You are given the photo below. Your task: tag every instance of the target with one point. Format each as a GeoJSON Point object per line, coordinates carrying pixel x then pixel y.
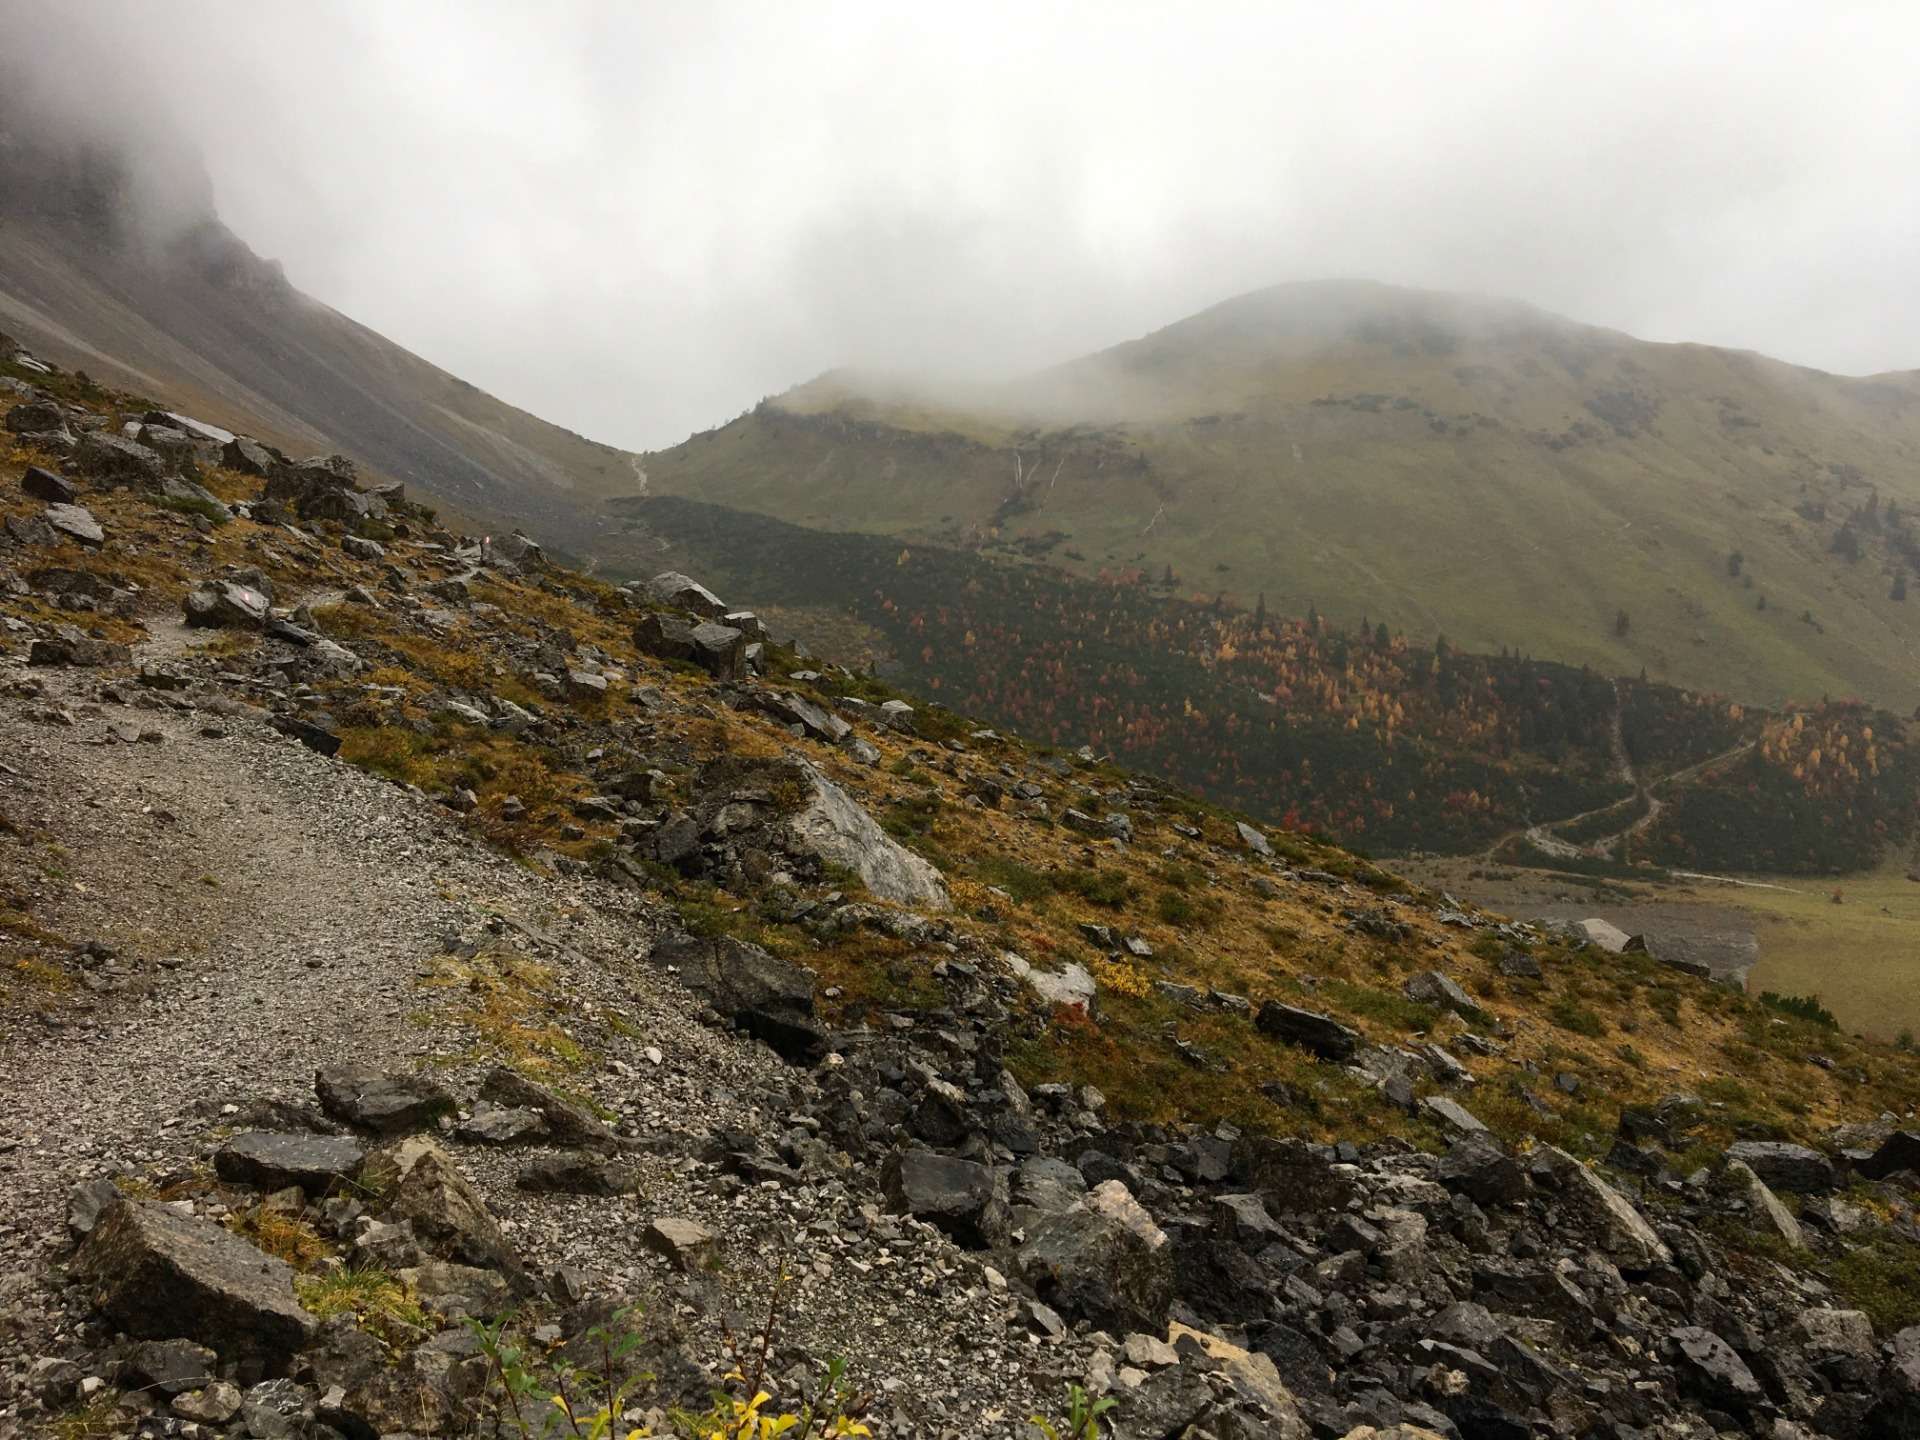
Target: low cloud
{"type": "Point", "coordinates": [639, 220]}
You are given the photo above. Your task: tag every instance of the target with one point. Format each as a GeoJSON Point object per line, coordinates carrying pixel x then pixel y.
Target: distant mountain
{"type": "Point", "coordinates": [113, 260]}
{"type": "Point", "coordinates": [1452, 465]}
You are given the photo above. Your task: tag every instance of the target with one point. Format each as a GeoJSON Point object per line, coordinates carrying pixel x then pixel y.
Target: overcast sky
{"type": "Point", "coordinates": [638, 219]}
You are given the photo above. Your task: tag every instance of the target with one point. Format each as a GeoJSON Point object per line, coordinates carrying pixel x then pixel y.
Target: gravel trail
{"type": "Point", "coordinates": [272, 911]}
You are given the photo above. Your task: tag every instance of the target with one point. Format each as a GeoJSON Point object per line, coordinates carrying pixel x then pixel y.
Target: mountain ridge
{"type": "Point", "coordinates": [113, 258]}
{"type": "Point", "coordinates": [1500, 490]}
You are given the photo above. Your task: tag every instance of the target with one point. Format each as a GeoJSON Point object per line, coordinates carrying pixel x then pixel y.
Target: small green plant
{"type": "Point", "coordinates": [1806, 1007]}
{"type": "Point", "coordinates": [1083, 1417]}
{"type": "Point", "coordinates": [563, 1401]}
{"type": "Point", "coordinates": [211, 510]}
{"type": "Point", "coordinates": [1569, 1014]}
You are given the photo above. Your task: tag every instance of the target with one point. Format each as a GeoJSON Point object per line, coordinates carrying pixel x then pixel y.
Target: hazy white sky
{"type": "Point", "coordinates": [638, 219]}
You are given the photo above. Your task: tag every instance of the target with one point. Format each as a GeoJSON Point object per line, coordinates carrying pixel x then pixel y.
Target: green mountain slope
{"type": "Point", "coordinates": [1451, 465]}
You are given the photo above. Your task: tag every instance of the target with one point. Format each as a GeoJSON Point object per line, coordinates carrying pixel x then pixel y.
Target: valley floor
{"type": "Point", "coordinates": [1860, 955]}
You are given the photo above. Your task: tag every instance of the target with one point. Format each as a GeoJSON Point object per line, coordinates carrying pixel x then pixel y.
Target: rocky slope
{"type": "Point", "coordinates": [114, 260]}
{"type": "Point", "coordinates": [400, 930]}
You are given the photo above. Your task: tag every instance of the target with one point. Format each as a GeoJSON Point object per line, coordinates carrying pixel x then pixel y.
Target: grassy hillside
{"type": "Point", "coordinates": [1215, 922]}
{"type": "Point", "coordinates": [1372, 737]}
{"type": "Point", "coordinates": [1473, 468]}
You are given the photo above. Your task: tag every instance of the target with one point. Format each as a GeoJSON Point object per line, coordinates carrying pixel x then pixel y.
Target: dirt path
{"type": "Point", "coordinates": [1606, 847]}
{"type": "Point", "coordinates": [273, 912]}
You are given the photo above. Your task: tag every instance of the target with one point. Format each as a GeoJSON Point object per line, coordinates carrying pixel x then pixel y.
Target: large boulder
{"type": "Point", "coordinates": [962, 1197]}
{"type": "Point", "coordinates": [368, 1393]}
{"type": "Point", "coordinates": [1442, 992]}
{"type": "Point", "coordinates": [1605, 1217]}
{"type": "Point", "coordinates": [1764, 1210]}
{"type": "Point", "coordinates": [322, 488]}
{"type": "Point", "coordinates": [768, 997]}
{"type": "Point", "coordinates": [418, 1182]}
{"type": "Point", "coordinates": [76, 522]}
{"type": "Point", "coordinates": [36, 417]}
{"type": "Point", "coordinates": [45, 485]}
{"type": "Point", "coordinates": [579, 1173]}
{"type": "Point", "coordinates": [1102, 1258]}
{"type": "Point", "coordinates": [249, 457]}
{"type": "Point", "coordinates": [685, 593]}
{"type": "Point", "coordinates": [1899, 1151]}
{"type": "Point", "coordinates": [273, 1160]}
{"type": "Point", "coordinates": [563, 1122]}
{"type": "Point", "coordinates": [720, 650]}
{"type": "Point", "coordinates": [519, 551]}
{"type": "Point", "coordinates": [179, 449]}
{"type": "Point", "coordinates": [226, 604]}
{"type": "Point", "coordinates": [383, 1103]}
{"type": "Point", "coordinates": [115, 460]}
{"type": "Point", "coordinates": [161, 1274]}
{"type": "Point", "coordinates": [833, 826]}
{"type": "Point", "coordinates": [1310, 1030]}
{"type": "Point", "coordinates": [791, 709]}
{"type": "Point", "coordinates": [72, 648]}
{"type": "Point", "coordinates": [1785, 1166]}
{"type": "Point", "coordinates": [1710, 1370]}
{"type": "Point", "coordinates": [1603, 934]}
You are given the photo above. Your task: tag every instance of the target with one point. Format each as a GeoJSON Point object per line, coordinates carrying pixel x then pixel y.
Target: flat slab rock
{"type": "Point", "coordinates": [385, 1104]}
{"type": "Point", "coordinates": [158, 1273]}
{"type": "Point", "coordinates": [688, 1245]}
{"type": "Point", "coordinates": [833, 826]}
{"type": "Point", "coordinates": [274, 1160]}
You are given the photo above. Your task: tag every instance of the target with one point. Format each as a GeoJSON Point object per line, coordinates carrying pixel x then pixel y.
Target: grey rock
{"type": "Point", "coordinates": [447, 1213]}
{"type": "Point", "coordinates": [1308, 1029]}
{"type": "Point", "coordinates": [717, 649]}
{"type": "Point", "coordinates": [1763, 1206]}
{"type": "Point", "coordinates": [76, 522]}
{"type": "Point", "coordinates": [116, 460]}
{"type": "Point", "coordinates": [249, 457]}
{"type": "Point", "coordinates": [269, 1160]}
{"type": "Point", "coordinates": [686, 593]}
{"type": "Point", "coordinates": [172, 1367]}
{"type": "Point", "coordinates": [215, 1404]}
{"type": "Point", "coordinates": [502, 1125]}
{"type": "Point", "coordinates": [386, 1104]}
{"type": "Point", "coordinates": [34, 417]}
{"type": "Point", "coordinates": [768, 997]}
{"type": "Point", "coordinates": [690, 1246]}
{"type": "Point", "coordinates": [226, 604]}
{"type": "Point", "coordinates": [833, 826]}
{"type": "Point", "coordinates": [567, 1124]}
{"type": "Point", "coordinates": [1899, 1151]}
{"type": "Point", "coordinates": [963, 1198]}
{"type": "Point", "coordinates": [1430, 987]}
{"type": "Point", "coordinates": [158, 1273]}
{"type": "Point", "coordinates": [1784, 1166]}
{"type": "Point", "coordinates": [1103, 1259]}
{"type": "Point", "coordinates": [579, 1174]}
{"type": "Point", "coordinates": [1452, 1114]}
{"type": "Point", "coordinates": [1711, 1371]}
{"type": "Point", "coordinates": [1602, 1213]}
{"type": "Point", "coordinates": [86, 1201]}
{"type": "Point", "coordinates": [45, 485]}
{"type": "Point", "coordinates": [1477, 1167]}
